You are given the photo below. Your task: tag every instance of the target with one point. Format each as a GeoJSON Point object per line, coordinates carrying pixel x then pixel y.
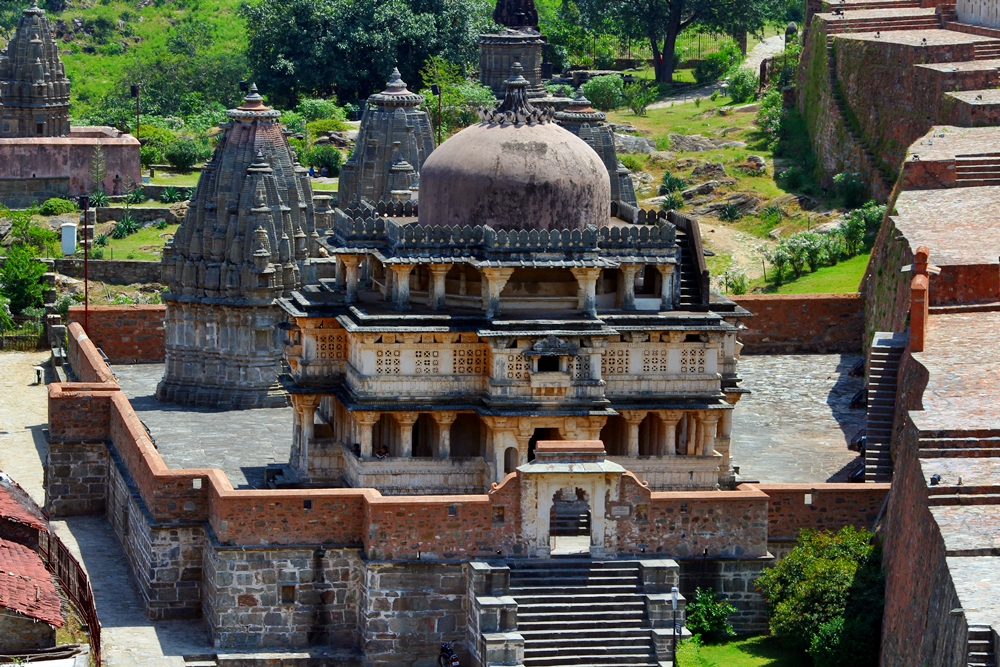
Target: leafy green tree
{"type": "Point", "coordinates": [19, 278]}
{"type": "Point", "coordinates": [709, 617]}
{"type": "Point", "coordinates": [325, 156]}
{"type": "Point", "coordinates": [182, 154]}
{"type": "Point", "coordinates": [460, 98]}
{"type": "Point", "coordinates": [605, 91]}
{"type": "Point", "coordinates": [301, 48]}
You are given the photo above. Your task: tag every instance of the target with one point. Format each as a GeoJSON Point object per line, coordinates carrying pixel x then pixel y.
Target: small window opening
{"type": "Point", "coordinates": [196, 482]}
{"type": "Point", "coordinates": [288, 594]}
{"type": "Point", "coordinates": [549, 364]}
{"type": "Point", "coordinates": [39, 129]}
{"type": "Point", "coordinates": [692, 338]}
{"type": "Point", "coordinates": [307, 504]}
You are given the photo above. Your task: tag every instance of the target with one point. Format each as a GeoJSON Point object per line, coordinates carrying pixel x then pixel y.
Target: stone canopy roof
{"type": "Point", "coordinates": [26, 586]}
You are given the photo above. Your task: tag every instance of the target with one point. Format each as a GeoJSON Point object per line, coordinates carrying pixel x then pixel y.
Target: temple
{"type": "Point", "coordinates": [509, 307]}
{"type": "Point", "coordinates": [246, 240]}
{"type": "Point", "coordinates": [519, 41]}
{"type": "Point", "coordinates": [394, 140]}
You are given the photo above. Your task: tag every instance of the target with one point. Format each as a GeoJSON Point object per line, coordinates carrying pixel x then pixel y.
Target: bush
{"type": "Point", "coordinates": [56, 206]}
{"type": "Point", "coordinates": [735, 280]}
{"type": "Point", "coordinates": [136, 196]}
{"type": "Point", "coordinates": [605, 91]}
{"type": "Point", "coordinates": [101, 240]}
{"type": "Point", "coordinates": [639, 95]}
{"type": "Point", "coordinates": [319, 127]}
{"type": "Point", "coordinates": [743, 85]}
{"type": "Point", "coordinates": [149, 155]}
{"type": "Point", "coordinates": [559, 89]}
{"type": "Point", "coordinates": [161, 224]}
{"type": "Point", "coordinates": [124, 227]}
{"type": "Point", "coordinates": [99, 198]}
{"type": "Point", "coordinates": [825, 578]}
{"type": "Point", "coordinates": [172, 195]}
{"type": "Point", "coordinates": [182, 154]}
{"type": "Point", "coordinates": [62, 306]}
{"type": "Point", "coordinates": [6, 318]}
{"type": "Point", "coordinates": [716, 65]}
{"type": "Point", "coordinates": [314, 109]}
{"type": "Point", "coordinates": [709, 617]}
{"type": "Point", "coordinates": [19, 278]}
{"type": "Point", "coordinates": [770, 115]}
{"type": "Point", "coordinates": [672, 202]}
{"type": "Point", "coordinates": [671, 183]}
{"type": "Point", "coordinates": [324, 156]}
{"type": "Point", "coordinates": [833, 248]}
{"type": "Point", "coordinates": [851, 188]}
{"type": "Point", "coordinates": [294, 122]}
{"type": "Point", "coordinates": [730, 213]}
{"type": "Point", "coordinates": [632, 162]}
{"type": "Point", "coordinates": [96, 253]}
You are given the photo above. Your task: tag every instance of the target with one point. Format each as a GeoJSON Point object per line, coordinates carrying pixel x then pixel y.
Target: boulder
{"type": "Point", "coordinates": [711, 170]}
{"type": "Point", "coordinates": [662, 156]}
{"type": "Point", "coordinates": [686, 162]}
{"type": "Point", "coordinates": [745, 201]}
{"type": "Point", "coordinates": [627, 143]}
{"type": "Point", "coordinates": [705, 188]}
{"type": "Point", "coordinates": [696, 143]}
{"type": "Point", "coordinates": [179, 210]}
{"type": "Point", "coordinates": [756, 162]}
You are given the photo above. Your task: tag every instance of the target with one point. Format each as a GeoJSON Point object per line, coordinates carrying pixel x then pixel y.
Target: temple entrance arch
{"type": "Point", "coordinates": [570, 521]}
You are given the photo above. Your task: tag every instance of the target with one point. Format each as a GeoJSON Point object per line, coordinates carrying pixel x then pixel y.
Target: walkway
{"type": "Point", "coordinates": [24, 416]}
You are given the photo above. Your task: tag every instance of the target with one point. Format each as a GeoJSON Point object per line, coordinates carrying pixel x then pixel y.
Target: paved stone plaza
{"type": "Point", "coordinates": [794, 427]}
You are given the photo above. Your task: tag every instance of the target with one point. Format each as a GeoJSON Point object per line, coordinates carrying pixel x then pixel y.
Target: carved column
{"type": "Point", "coordinates": [363, 422]}
{"type": "Point", "coordinates": [388, 291]}
{"type": "Point", "coordinates": [406, 420]}
{"type": "Point", "coordinates": [666, 286]}
{"type": "Point", "coordinates": [626, 285]}
{"type": "Point", "coordinates": [586, 296]}
{"type": "Point", "coordinates": [633, 418]}
{"type": "Point", "coordinates": [304, 416]}
{"type": "Point", "coordinates": [351, 263]}
{"type": "Point", "coordinates": [670, 420]}
{"type": "Point", "coordinates": [338, 273]}
{"type": "Point", "coordinates": [401, 284]}
{"type": "Point", "coordinates": [691, 434]}
{"type": "Point", "coordinates": [444, 421]}
{"type": "Point", "coordinates": [709, 426]}
{"type": "Point", "coordinates": [435, 295]}
{"type": "Point", "coordinates": [493, 283]}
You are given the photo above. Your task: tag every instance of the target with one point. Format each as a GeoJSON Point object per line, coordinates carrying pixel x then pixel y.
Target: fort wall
{"type": "Point", "coordinates": [126, 334]}
{"type": "Point", "coordinates": [802, 323]}
{"type": "Point", "coordinates": [111, 271]}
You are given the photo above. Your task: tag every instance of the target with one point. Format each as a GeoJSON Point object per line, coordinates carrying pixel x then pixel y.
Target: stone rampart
{"type": "Point", "coordinates": [126, 334]}
{"type": "Point", "coordinates": [802, 323]}
{"type": "Point", "coordinates": [112, 271]}
{"type": "Point", "coordinates": [794, 507]}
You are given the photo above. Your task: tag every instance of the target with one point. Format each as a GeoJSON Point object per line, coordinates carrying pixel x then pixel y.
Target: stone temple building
{"type": "Point", "coordinates": [394, 140]}
{"type": "Point", "coordinates": [41, 156]}
{"type": "Point", "coordinates": [519, 41]}
{"type": "Point", "coordinates": [509, 307]}
{"type": "Point", "coordinates": [246, 240]}
{"type": "Point", "coordinates": [586, 122]}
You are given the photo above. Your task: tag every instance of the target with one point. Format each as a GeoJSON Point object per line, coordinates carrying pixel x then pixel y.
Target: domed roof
{"type": "Point", "coordinates": [515, 170]}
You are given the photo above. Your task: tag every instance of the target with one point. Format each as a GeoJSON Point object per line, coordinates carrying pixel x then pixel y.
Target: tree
{"type": "Point", "coordinates": [661, 21]}
{"type": "Point", "coordinates": [317, 47]}
{"type": "Point", "coordinates": [19, 278]}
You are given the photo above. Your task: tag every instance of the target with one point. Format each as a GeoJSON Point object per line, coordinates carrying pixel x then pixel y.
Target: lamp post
{"type": "Point", "coordinates": [85, 205]}
{"type": "Point", "coordinates": [135, 94]}
{"type": "Point", "coordinates": [436, 89]}
{"type": "Point", "coordinates": [673, 604]}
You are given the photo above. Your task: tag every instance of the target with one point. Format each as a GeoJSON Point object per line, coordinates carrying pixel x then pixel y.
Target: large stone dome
{"type": "Point", "coordinates": [515, 170]}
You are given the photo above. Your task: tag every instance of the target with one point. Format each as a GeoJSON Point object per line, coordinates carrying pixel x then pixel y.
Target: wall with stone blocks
{"type": "Point", "coordinates": [111, 271]}
{"type": "Point", "coordinates": [733, 579]}
{"type": "Point", "coordinates": [126, 334]}
{"type": "Point", "coordinates": [802, 323]}
{"type": "Point", "coordinates": [886, 289]}
{"type": "Point", "coordinates": [290, 598]}
{"type": "Point", "coordinates": [830, 507]}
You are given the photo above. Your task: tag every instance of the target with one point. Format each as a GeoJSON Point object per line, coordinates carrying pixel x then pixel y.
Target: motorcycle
{"type": "Point", "coordinates": [448, 657]}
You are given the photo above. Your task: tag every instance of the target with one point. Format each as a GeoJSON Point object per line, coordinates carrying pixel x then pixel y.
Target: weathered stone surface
{"type": "Point", "coordinates": [629, 143]}
{"type": "Point", "coordinates": [697, 143]}
{"type": "Point", "coordinates": [709, 170]}
{"type": "Point", "coordinates": [708, 187]}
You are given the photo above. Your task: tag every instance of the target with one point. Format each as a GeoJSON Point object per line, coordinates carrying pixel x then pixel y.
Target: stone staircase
{"type": "Point", "coordinates": [690, 291]}
{"type": "Point", "coordinates": [980, 647]}
{"type": "Point", "coordinates": [883, 369]}
{"type": "Point", "coordinates": [571, 519]}
{"type": "Point", "coordinates": [829, 6]}
{"type": "Point", "coordinates": [973, 171]}
{"type": "Point", "coordinates": [987, 50]}
{"type": "Point", "coordinates": [576, 613]}
{"type": "Point", "coordinates": [883, 20]}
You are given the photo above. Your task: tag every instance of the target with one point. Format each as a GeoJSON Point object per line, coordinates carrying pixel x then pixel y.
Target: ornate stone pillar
{"type": "Point", "coordinates": [633, 418]}
{"type": "Point", "coordinates": [709, 425]}
{"type": "Point", "coordinates": [406, 420]}
{"type": "Point", "coordinates": [436, 293]}
{"type": "Point", "coordinates": [586, 295]}
{"type": "Point", "coordinates": [401, 284]}
{"type": "Point", "coordinates": [351, 263]}
{"type": "Point", "coordinates": [363, 423]}
{"type": "Point", "coordinates": [494, 280]}
{"type": "Point", "coordinates": [670, 420]}
{"type": "Point", "coordinates": [338, 273]}
{"type": "Point", "coordinates": [444, 421]}
{"type": "Point", "coordinates": [388, 291]}
{"type": "Point", "coordinates": [691, 441]}
{"type": "Point", "coordinates": [626, 285]}
{"type": "Point", "coordinates": [666, 286]}
{"type": "Point", "coordinates": [304, 415]}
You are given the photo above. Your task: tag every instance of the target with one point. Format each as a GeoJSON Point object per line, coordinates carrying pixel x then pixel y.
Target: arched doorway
{"type": "Point", "coordinates": [510, 460]}
{"type": "Point", "coordinates": [570, 522]}
{"type": "Point", "coordinates": [541, 434]}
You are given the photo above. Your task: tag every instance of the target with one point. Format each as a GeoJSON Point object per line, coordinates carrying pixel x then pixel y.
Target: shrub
{"type": "Point", "coordinates": [716, 65]}
{"type": "Point", "coordinates": [6, 318]}
{"type": "Point", "coordinates": [313, 109]}
{"type": "Point", "coordinates": [294, 122]}
{"type": "Point", "coordinates": [735, 280]}
{"type": "Point", "coordinates": [632, 162]}
{"type": "Point", "coordinates": [709, 617]}
{"type": "Point", "coordinates": [325, 156]}
{"type": "Point", "coordinates": [96, 253]}
{"type": "Point", "coordinates": [851, 188]}
{"type": "Point", "coordinates": [124, 227]}
{"type": "Point", "coordinates": [161, 224]}
{"type": "Point", "coordinates": [825, 578]}
{"type": "Point", "coordinates": [62, 306]}
{"type": "Point", "coordinates": [136, 196]}
{"type": "Point", "coordinates": [770, 115]}
{"type": "Point", "coordinates": [852, 230]}
{"type": "Point", "coordinates": [101, 240]}
{"type": "Point", "coordinates": [833, 248]}
{"type": "Point", "coordinates": [730, 213]}
{"type": "Point", "coordinates": [19, 278]}
{"type": "Point", "coordinates": [182, 154]}
{"type": "Point", "coordinates": [56, 206]}
{"type": "Point", "coordinates": [671, 183]}
{"type": "Point", "coordinates": [149, 155]}
{"type": "Point", "coordinates": [806, 248]}
{"type": "Point", "coordinates": [172, 195]}
{"type": "Point", "coordinates": [793, 177]}
{"type": "Point", "coordinates": [639, 95]}
{"type": "Point", "coordinates": [779, 258]}
{"type": "Point", "coordinates": [99, 198]}
{"type": "Point", "coordinates": [743, 85]}
{"type": "Point", "coordinates": [559, 89]}
{"type": "Point", "coordinates": [672, 202]}
{"type": "Point", "coordinates": [319, 127]}
{"type": "Point", "coordinates": [604, 92]}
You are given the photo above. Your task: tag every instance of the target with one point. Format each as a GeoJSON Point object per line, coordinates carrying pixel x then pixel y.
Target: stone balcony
{"type": "Point", "coordinates": [399, 476]}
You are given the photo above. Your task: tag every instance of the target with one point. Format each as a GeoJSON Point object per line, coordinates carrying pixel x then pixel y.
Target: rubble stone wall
{"type": "Point", "coordinates": [830, 507]}
{"type": "Point", "coordinates": [126, 334]}
{"type": "Point", "coordinates": [111, 271]}
{"type": "Point", "coordinates": [802, 323]}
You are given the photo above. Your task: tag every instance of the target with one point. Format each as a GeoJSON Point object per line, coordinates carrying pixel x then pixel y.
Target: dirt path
{"type": "Point", "coordinates": [723, 240]}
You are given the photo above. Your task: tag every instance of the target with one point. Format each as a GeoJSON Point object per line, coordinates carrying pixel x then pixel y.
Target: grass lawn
{"type": "Point", "coordinates": [177, 180]}
{"type": "Point", "coordinates": [747, 652]}
{"type": "Point", "coordinates": [842, 278]}
{"type": "Point", "coordinates": [145, 244]}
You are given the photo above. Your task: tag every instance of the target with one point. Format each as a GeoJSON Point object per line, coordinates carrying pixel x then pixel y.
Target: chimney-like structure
{"type": "Point", "coordinates": [34, 90]}
{"type": "Point", "coordinates": [246, 240]}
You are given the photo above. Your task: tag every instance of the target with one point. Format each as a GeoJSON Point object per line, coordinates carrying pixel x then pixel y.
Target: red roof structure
{"type": "Point", "coordinates": [17, 505]}
{"type": "Point", "coordinates": [26, 586]}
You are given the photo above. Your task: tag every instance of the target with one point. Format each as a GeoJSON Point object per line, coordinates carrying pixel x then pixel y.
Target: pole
{"type": "Point", "coordinates": [137, 115]}
{"type": "Point", "coordinates": [86, 265]}
{"type": "Point", "coordinates": [673, 601]}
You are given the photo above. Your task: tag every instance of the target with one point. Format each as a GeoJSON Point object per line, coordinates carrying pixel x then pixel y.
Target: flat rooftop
{"type": "Point", "coordinates": [946, 142]}
{"type": "Point", "coordinates": [910, 37]}
{"type": "Point", "coordinates": [961, 226]}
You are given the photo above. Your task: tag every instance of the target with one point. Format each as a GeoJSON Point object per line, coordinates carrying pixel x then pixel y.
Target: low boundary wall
{"type": "Point", "coordinates": [802, 323]}
{"type": "Point", "coordinates": [112, 271]}
{"type": "Point", "coordinates": [126, 334]}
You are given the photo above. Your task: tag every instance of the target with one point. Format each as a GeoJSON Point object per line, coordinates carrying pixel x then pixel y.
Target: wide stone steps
{"type": "Point", "coordinates": [932, 453]}
{"type": "Point", "coordinates": [987, 50]}
{"type": "Point", "coordinates": [871, 4]}
{"type": "Point", "coordinates": [539, 629]}
{"type": "Point", "coordinates": [849, 25]}
{"type": "Point", "coordinates": [883, 370]}
{"type": "Point", "coordinates": [980, 652]}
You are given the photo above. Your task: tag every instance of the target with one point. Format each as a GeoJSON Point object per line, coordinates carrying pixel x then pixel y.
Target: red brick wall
{"type": "Point", "coordinates": [802, 323]}
{"type": "Point", "coordinates": [833, 507]}
{"type": "Point", "coordinates": [80, 412]}
{"type": "Point", "coordinates": [84, 359]}
{"type": "Point", "coordinates": [438, 527]}
{"type": "Point", "coordinates": [126, 334]}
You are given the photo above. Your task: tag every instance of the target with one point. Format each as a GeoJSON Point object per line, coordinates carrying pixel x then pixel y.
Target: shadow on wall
{"type": "Point", "coordinates": [849, 420]}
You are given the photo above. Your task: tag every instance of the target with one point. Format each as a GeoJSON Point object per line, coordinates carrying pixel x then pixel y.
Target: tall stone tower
{"type": "Point", "coordinates": [519, 41]}
{"type": "Point", "coordinates": [246, 240]}
{"type": "Point", "coordinates": [588, 123]}
{"type": "Point", "coordinates": [394, 140]}
{"type": "Point", "coordinates": [34, 90]}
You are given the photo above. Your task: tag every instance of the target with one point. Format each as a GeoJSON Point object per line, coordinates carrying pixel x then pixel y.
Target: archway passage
{"type": "Point", "coordinates": [509, 460]}
{"type": "Point", "coordinates": [541, 434]}
{"type": "Point", "coordinates": [569, 522]}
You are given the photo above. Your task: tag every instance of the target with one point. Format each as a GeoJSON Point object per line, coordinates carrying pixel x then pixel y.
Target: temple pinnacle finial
{"type": "Point", "coordinates": [396, 85]}
{"type": "Point", "coordinates": [515, 107]}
